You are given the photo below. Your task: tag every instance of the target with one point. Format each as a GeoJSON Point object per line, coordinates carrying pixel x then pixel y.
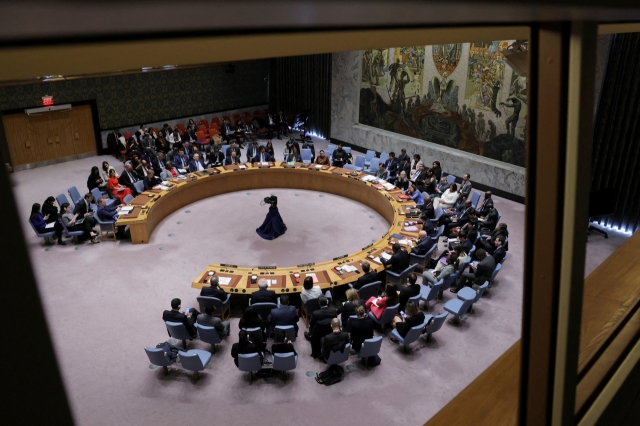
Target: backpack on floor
{"type": "Point", "coordinates": [331, 375]}
{"type": "Point", "coordinates": [171, 351]}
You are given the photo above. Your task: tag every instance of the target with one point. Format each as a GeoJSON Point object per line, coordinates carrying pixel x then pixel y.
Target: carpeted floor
{"type": "Point", "coordinates": [104, 303]}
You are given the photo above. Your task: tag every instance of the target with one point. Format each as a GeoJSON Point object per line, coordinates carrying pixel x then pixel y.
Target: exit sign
{"type": "Point", "coordinates": [47, 100]}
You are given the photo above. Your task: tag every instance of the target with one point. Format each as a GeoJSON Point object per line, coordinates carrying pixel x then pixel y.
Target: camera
{"type": "Point", "coordinates": [271, 200]}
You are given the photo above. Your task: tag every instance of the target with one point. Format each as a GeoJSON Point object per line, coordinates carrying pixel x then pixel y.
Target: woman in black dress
{"type": "Point", "coordinates": [414, 318]}
{"type": "Point", "coordinates": [244, 346]}
{"type": "Point", "coordinates": [49, 209]}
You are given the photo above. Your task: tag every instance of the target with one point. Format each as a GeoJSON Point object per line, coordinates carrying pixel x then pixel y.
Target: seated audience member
{"type": "Point", "coordinates": [233, 159]}
{"type": "Point", "coordinates": [442, 186]}
{"type": "Point", "coordinates": [335, 341]}
{"type": "Point", "coordinates": [404, 165]}
{"type": "Point", "coordinates": [309, 291]}
{"type": "Point", "coordinates": [339, 156]}
{"type": "Point", "coordinates": [262, 156]}
{"type": "Point", "coordinates": [284, 315]}
{"type": "Point", "coordinates": [106, 168]}
{"type": "Point", "coordinates": [281, 121]}
{"type": "Point", "coordinates": [437, 170]}
{"type": "Point", "coordinates": [499, 253]}
{"type": "Point", "coordinates": [162, 145]}
{"type": "Point", "coordinates": [428, 183]}
{"type": "Point", "coordinates": [382, 172]}
{"type": "Point", "coordinates": [459, 214]}
{"type": "Point", "coordinates": [263, 295]}
{"type": "Point", "coordinates": [415, 195]}
{"type": "Point", "coordinates": [319, 325]}
{"type": "Point", "coordinates": [399, 260]}
{"type": "Point", "coordinates": [270, 150]}
{"type": "Point", "coordinates": [282, 345]}
{"type": "Point", "coordinates": [169, 172]}
{"type": "Point", "coordinates": [248, 130]}
{"type": "Point", "coordinates": [368, 276]}
{"type": "Point", "coordinates": [86, 226]}
{"type": "Point", "coordinates": [423, 244]}
{"type": "Point", "coordinates": [196, 164]}
{"type": "Point", "coordinates": [213, 289]}
{"type": "Point", "coordinates": [222, 327]}
{"type": "Point", "coordinates": [95, 180]}
{"type": "Point", "coordinates": [245, 347]}
{"type": "Point", "coordinates": [142, 169]}
{"type": "Point", "coordinates": [488, 243]}
{"type": "Point", "coordinates": [118, 191]}
{"type": "Point", "coordinates": [428, 211]}
{"type": "Point", "coordinates": [322, 159]}
{"type": "Point", "coordinates": [216, 157]}
{"type": "Point", "coordinates": [465, 187]}
{"type": "Point", "coordinates": [348, 308]}
{"type": "Point", "coordinates": [189, 136]}
{"type": "Point", "coordinates": [252, 150]}
{"type": "Point", "coordinates": [50, 210]}
{"type": "Point", "coordinates": [127, 178]}
{"type": "Point", "coordinates": [227, 132]}
{"type": "Point", "coordinates": [408, 290]}
{"type": "Point", "coordinates": [404, 156]}
{"type": "Point", "coordinates": [414, 164]}
{"type": "Point", "coordinates": [272, 126]}
{"type": "Point", "coordinates": [39, 222]}
{"type": "Point", "coordinates": [481, 271]}
{"type": "Point", "coordinates": [238, 129]}
{"type": "Point", "coordinates": [151, 181]}
{"type": "Point", "coordinates": [288, 147]}
{"type": "Point", "coordinates": [419, 176]}
{"type": "Point", "coordinates": [188, 319]}
{"type": "Point", "coordinates": [403, 325]}
{"type": "Point", "coordinates": [377, 305]}
{"type": "Point", "coordinates": [181, 160]}
{"type": "Point", "coordinates": [449, 197]}
{"type": "Point", "coordinates": [252, 319]}
{"type": "Point", "coordinates": [391, 165]}
{"type": "Point", "coordinates": [465, 243]}
{"type": "Point", "coordinates": [202, 156]}
{"type": "Point", "coordinates": [361, 328]}
{"type": "Point", "coordinates": [482, 209]}
{"type": "Point", "coordinates": [83, 208]}
{"type": "Point", "coordinates": [489, 221]}
{"type": "Point", "coordinates": [293, 156]}
{"type": "Point", "coordinates": [446, 266]}
{"type": "Point", "coordinates": [402, 182]}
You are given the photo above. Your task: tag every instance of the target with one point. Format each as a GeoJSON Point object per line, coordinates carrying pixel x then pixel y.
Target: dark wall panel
{"type": "Point", "coordinates": [298, 83]}
{"type": "Point", "coordinates": [616, 143]}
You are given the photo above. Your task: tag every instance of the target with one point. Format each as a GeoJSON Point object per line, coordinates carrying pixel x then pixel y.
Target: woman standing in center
{"type": "Point", "coordinates": [377, 305]}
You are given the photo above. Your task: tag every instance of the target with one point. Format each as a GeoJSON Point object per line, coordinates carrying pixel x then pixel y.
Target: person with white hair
{"type": "Point", "coordinates": [264, 295]}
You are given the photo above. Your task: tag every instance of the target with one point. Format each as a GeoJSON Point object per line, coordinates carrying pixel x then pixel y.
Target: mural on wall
{"type": "Point", "coordinates": [463, 96]}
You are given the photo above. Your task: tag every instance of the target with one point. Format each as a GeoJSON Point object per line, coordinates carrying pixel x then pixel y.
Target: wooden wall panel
{"type": "Point", "coordinates": [17, 131]}
{"type": "Point", "coordinates": [82, 117]}
{"type": "Point", "coordinates": [61, 130]}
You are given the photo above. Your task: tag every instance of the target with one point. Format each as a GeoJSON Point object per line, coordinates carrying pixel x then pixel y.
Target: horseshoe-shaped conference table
{"type": "Point", "coordinates": [151, 207]}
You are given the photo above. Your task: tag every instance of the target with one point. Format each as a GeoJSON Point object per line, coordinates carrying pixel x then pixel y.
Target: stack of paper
{"type": "Point", "coordinates": [242, 167]}
{"type": "Point", "coordinates": [318, 166]}
{"type": "Point", "coordinates": [376, 259]}
{"type": "Point", "coordinates": [264, 163]}
{"type": "Point", "coordinates": [349, 268]}
{"type": "Point", "coordinates": [367, 178]}
{"type": "Point", "coordinates": [385, 255]}
{"type": "Point", "coordinates": [126, 210]}
{"type": "Point", "coordinates": [410, 228]}
{"type": "Point", "coordinates": [388, 186]}
{"type": "Point", "coordinates": [163, 187]}
{"type": "Point", "coordinates": [182, 171]}
{"type": "Point", "coordinates": [224, 280]}
{"type": "Point", "coordinates": [404, 242]}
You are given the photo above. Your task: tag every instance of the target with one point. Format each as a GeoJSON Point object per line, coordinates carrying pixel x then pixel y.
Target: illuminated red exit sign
{"type": "Point", "coordinates": [47, 100]}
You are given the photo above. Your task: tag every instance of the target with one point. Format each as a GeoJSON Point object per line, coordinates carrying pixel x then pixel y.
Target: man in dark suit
{"type": "Point", "coordinates": [264, 295]}
{"type": "Point", "coordinates": [252, 151]}
{"type": "Point", "coordinates": [423, 244]}
{"type": "Point", "coordinates": [83, 208]}
{"type": "Point", "coordinates": [404, 157]}
{"type": "Point", "coordinates": [222, 327]}
{"type": "Point", "coordinates": [213, 289]}
{"type": "Point", "coordinates": [151, 180]}
{"type": "Point", "coordinates": [185, 318]}
{"type": "Point", "coordinates": [368, 276]}
{"type": "Point", "coordinates": [284, 315]}
{"type": "Point", "coordinates": [262, 156]}
{"type": "Point", "coordinates": [461, 217]}
{"type": "Point", "coordinates": [196, 164]}
{"type": "Point", "coordinates": [233, 159]}
{"type": "Point", "coordinates": [491, 219]}
{"type": "Point", "coordinates": [488, 243]}
{"type": "Point", "coordinates": [361, 328]}
{"type": "Point", "coordinates": [419, 176]}
{"type": "Point", "coordinates": [142, 169]}
{"type": "Point", "coordinates": [319, 325]}
{"type": "Point", "coordinates": [281, 121]}
{"type": "Point", "coordinates": [465, 242]}
{"type": "Point", "coordinates": [233, 148]}
{"type": "Point", "coordinates": [181, 161]}
{"type": "Point", "coordinates": [339, 157]}
{"type": "Point", "coordinates": [408, 290]}
{"type": "Point", "coordinates": [334, 341]}
{"type": "Point", "coordinates": [481, 272]}
{"type": "Point", "coordinates": [227, 132]}
{"type": "Point", "coordinates": [112, 142]}
{"type": "Point", "coordinates": [482, 210]}
{"type": "Point", "coordinates": [428, 211]}
{"type": "Point", "coordinates": [399, 260]}
{"type": "Point", "coordinates": [404, 165]}
{"type": "Point", "coordinates": [392, 165]}
{"type": "Point", "coordinates": [128, 177]}
{"type": "Point", "coordinates": [499, 253]}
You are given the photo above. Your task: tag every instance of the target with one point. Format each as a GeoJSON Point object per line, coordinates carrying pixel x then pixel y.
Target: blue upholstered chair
{"type": "Point", "coordinates": [496, 272]}
{"type": "Point", "coordinates": [75, 195]}
{"type": "Point", "coordinates": [429, 293]}
{"type": "Point", "coordinates": [350, 167]}
{"type": "Point", "coordinates": [289, 331]}
{"type": "Point", "coordinates": [128, 199]}
{"type": "Point", "coordinates": [347, 327]}
{"type": "Point", "coordinates": [475, 197]}
{"type": "Point", "coordinates": [458, 308]}
{"type": "Point", "coordinates": [194, 360]}
{"type": "Point", "coordinates": [373, 166]}
{"type": "Point", "coordinates": [284, 362]}
{"type": "Point", "coordinates": [359, 163]}
{"type": "Point", "coordinates": [446, 285]}
{"type": "Point", "coordinates": [221, 308]}
{"type": "Point", "coordinates": [106, 227]}
{"type": "Point", "coordinates": [370, 155]}
{"type": "Point", "coordinates": [307, 309]}
{"type": "Point", "coordinates": [177, 330]}
{"type": "Point", "coordinates": [450, 179]}
{"type": "Point", "coordinates": [209, 335]}
{"type": "Point", "coordinates": [264, 309]}
{"type": "Point", "coordinates": [439, 233]}
{"type": "Point", "coordinates": [45, 235]}
{"type": "Point", "coordinates": [249, 363]}
{"type": "Point", "coordinates": [347, 149]}
{"type": "Point", "coordinates": [368, 290]}
{"type": "Point", "coordinates": [401, 278]}
{"type": "Point", "coordinates": [97, 194]}
{"type": "Point", "coordinates": [422, 261]}
{"type": "Point", "coordinates": [504, 259]}
{"type": "Point", "coordinates": [436, 324]}
{"type": "Point", "coordinates": [306, 155]}
{"type": "Point", "coordinates": [384, 157]}
{"type": "Point", "coordinates": [412, 335]}
{"type": "Point", "coordinates": [139, 186]}
{"type": "Point", "coordinates": [337, 357]}
{"type": "Point", "coordinates": [61, 199]}
{"type": "Point", "coordinates": [158, 357]}
{"type": "Point", "coordinates": [387, 315]}
{"type": "Point", "coordinates": [370, 347]}
{"type": "Point", "coordinates": [74, 234]}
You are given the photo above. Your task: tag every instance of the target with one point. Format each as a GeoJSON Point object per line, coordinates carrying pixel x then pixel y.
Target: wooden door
{"type": "Point", "coordinates": [83, 131]}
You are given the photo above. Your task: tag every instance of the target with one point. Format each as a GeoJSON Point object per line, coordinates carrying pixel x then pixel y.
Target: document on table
{"type": "Point", "coordinates": [313, 276]}
{"type": "Point", "coordinates": [264, 163]}
{"type": "Point", "coordinates": [367, 178]}
{"type": "Point", "coordinates": [182, 171]}
{"type": "Point", "coordinates": [404, 242]}
{"type": "Point", "coordinates": [271, 282]}
{"type": "Point", "coordinates": [386, 255]}
{"type": "Point", "coordinates": [319, 166]}
{"type": "Point", "coordinates": [50, 225]}
{"type": "Point", "coordinates": [126, 210]}
{"type": "Point", "coordinates": [375, 259]}
{"type": "Point", "coordinates": [224, 280]}
{"type": "Point", "coordinates": [349, 268]}
{"type": "Point", "coordinates": [388, 186]}
{"type": "Point", "coordinates": [163, 187]}
{"type": "Point", "coordinates": [410, 228]}
{"type": "Point", "coordinates": [242, 167]}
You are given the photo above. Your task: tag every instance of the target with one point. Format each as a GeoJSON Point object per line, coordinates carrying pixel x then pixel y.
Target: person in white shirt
{"type": "Point", "coordinates": [449, 197]}
{"type": "Point", "coordinates": [309, 291]}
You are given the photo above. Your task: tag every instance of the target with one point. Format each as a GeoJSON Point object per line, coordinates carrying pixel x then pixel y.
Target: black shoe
{"type": "Point", "coordinates": [307, 335]}
{"type": "Point", "coordinates": [453, 290]}
{"type": "Point", "coordinates": [61, 243]}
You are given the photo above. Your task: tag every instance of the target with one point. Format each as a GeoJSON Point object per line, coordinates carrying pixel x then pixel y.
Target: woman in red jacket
{"type": "Point", "coordinates": [377, 305]}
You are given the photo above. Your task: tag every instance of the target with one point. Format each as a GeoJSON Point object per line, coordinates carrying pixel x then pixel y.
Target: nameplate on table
{"type": "Point", "coordinates": [340, 257]}
{"type": "Point", "coordinates": [266, 267]}
{"type": "Point", "coordinates": [364, 248]}
{"type": "Point", "coordinates": [306, 264]}
{"type": "Point", "coordinates": [228, 266]}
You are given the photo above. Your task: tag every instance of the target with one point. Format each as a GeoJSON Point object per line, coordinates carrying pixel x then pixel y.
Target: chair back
{"type": "Point", "coordinates": [402, 277]}
{"type": "Point", "coordinates": [217, 304]}
{"type": "Point", "coordinates": [177, 330]}
{"type": "Point", "coordinates": [264, 309]}
{"type": "Point", "coordinates": [331, 147]}
{"type": "Point", "coordinates": [306, 155]}
{"type": "Point", "coordinates": [439, 232]}
{"type": "Point", "coordinates": [139, 186]}
{"type": "Point", "coordinates": [350, 167]}
{"type": "Point", "coordinates": [383, 157]}
{"type": "Point", "coordinates": [61, 199]}
{"type": "Point", "coordinates": [437, 213]}
{"type": "Point", "coordinates": [311, 306]}
{"type": "Point", "coordinates": [208, 334]}
{"type": "Point", "coordinates": [284, 361]}
{"type": "Point", "coordinates": [249, 362]}
{"type": "Point", "coordinates": [70, 233]}
{"type": "Point", "coordinates": [347, 149]}
{"type": "Point", "coordinates": [369, 156]}
{"type": "Point", "coordinates": [368, 290]}
{"type": "Point", "coordinates": [450, 279]}
{"type": "Point", "coordinates": [289, 331]}
{"type": "Point", "coordinates": [414, 333]}
{"type": "Point", "coordinates": [96, 195]}
{"type": "Point", "coordinates": [347, 327]}
{"type": "Point", "coordinates": [437, 322]}
{"type": "Point", "coordinates": [360, 162]}
{"type": "Point", "coordinates": [223, 149]}
{"type": "Point", "coordinates": [157, 357]}
{"type": "Point", "coordinates": [338, 357]}
{"type": "Point", "coordinates": [373, 165]}
{"type": "Point", "coordinates": [475, 197]}
{"type": "Point", "coordinates": [428, 293]}
{"type": "Point", "coordinates": [191, 360]}
{"type": "Point", "coordinates": [450, 179]}
{"type": "Point", "coordinates": [389, 313]}
{"type": "Point", "coordinates": [75, 194]}
{"type": "Point", "coordinates": [181, 127]}
{"type": "Point", "coordinates": [504, 258]}
{"type": "Point", "coordinates": [128, 199]}
{"type": "Point", "coordinates": [416, 299]}
{"type": "Point", "coordinates": [481, 290]}
{"type": "Point", "coordinates": [370, 347]}
{"type": "Point", "coordinates": [44, 234]}
{"type": "Point", "coordinates": [495, 271]}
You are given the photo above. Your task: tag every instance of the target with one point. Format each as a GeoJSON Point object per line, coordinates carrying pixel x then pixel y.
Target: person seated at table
{"type": "Point", "coordinates": [288, 147]}
{"type": "Point", "coordinates": [382, 172]}
{"type": "Point", "coordinates": [188, 319]}
{"type": "Point", "coordinates": [196, 164]}
{"type": "Point", "coordinates": [263, 295]}
{"type": "Point", "coordinates": [216, 157]}
{"type": "Point", "coordinates": [233, 148]}
{"type": "Point", "coordinates": [402, 182]}
{"type": "Point", "coordinates": [213, 289]}
{"type": "Point", "coordinates": [269, 149]}
{"type": "Point", "coordinates": [222, 327]}
{"type": "Point", "coordinates": [423, 244]}
{"type": "Point", "coordinates": [377, 305]}
{"type": "Point", "coordinates": [293, 157]}
{"type": "Point", "coordinates": [252, 319]}
{"type": "Point", "coordinates": [69, 219]}
{"type": "Point", "coordinates": [449, 197]}
{"type": "Point", "coordinates": [322, 159]}
{"type": "Point", "coordinates": [408, 290]}
{"type": "Point", "coordinates": [245, 346]}
{"type": "Point", "coordinates": [348, 308]}
{"type": "Point", "coordinates": [309, 291]}
{"type": "Point", "coordinates": [403, 325]}
{"type": "Point", "coordinates": [252, 150]}
{"type": "Point", "coordinates": [262, 156]}
{"type": "Point", "coordinates": [446, 266]}
{"type": "Point", "coordinates": [141, 170]}
{"type": "Point", "coordinates": [49, 209]}
{"type": "Point", "coordinates": [95, 180]}
{"type": "Point", "coordinates": [399, 260]}
{"type": "Point", "coordinates": [339, 157]}
{"type": "Point", "coordinates": [233, 159]}
{"type": "Point", "coordinates": [118, 191]}
{"type": "Point", "coordinates": [415, 195]}
{"type": "Point", "coordinates": [169, 172]}
{"type": "Point", "coordinates": [282, 344]}
{"type": "Point", "coordinates": [334, 341]}
{"type": "Point", "coordinates": [284, 314]}
{"type": "Point", "coordinates": [151, 181]}
{"type": "Point", "coordinates": [39, 222]}
{"type": "Point", "coordinates": [181, 160]}
{"type": "Point", "coordinates": [361, 328]}
{"type": "Point", "coordinates": [368, 276]}
{"type": "Point", "coordinates": [110, 214]}
{"type": "Point", "coordinates": [202, 154]}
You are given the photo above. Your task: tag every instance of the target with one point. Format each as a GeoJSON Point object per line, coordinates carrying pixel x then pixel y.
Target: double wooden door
{"type": "Point", "coordinates": [50, 137]}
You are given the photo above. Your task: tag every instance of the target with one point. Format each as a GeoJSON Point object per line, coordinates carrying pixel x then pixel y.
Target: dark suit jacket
{"type": "Point", "coordinates": [499, 254]}
{"type": "Point", "coordinates": [491, 219]}
{"type": "Point", "coordinates": [367, 278]}
{"type": "Point", "coordinates": [216, 159]}
{"type": "Point", "coordinates": [347, 310]}
{"type": "Point", "coordinates": [428, 210]}
{"type": "Point", "coordinates": [423, 246]}
{"type": "Point", "coordinates": [321, 314]}
{"type": "Point", "coordinates": [467, 245]}
{"type": "Point", "coordinates": [284, 315]}
{"type": "Point", "coordinates": [484, 270]}
{"type": "Point", "coordinates": [399, 261]}
{"type": "Point", "coordinates": [482, 211]}
{"type": "Point", "coordinates": [361, 329]}
{"type": "Point", "coordinates": [149, 184]}
{"type": "Point", "coordinates": [406, 292]}
{"type": "Point", "coordinates": [404, 327]}
{"type": "Point", "coordinates": [213, 292]}
{"type": "Point", "coordinates": [176, 316]}
{"type": "Point", "coordinates": [264, 296]}
{"type": "Point", "coordinates": [125, 181]}
{"type": "Point", "coordinates": [392, 167]}
{"type": "Point", "coordinates": [334, 342]}
{"type": "Point", "coordinates": [188, 136]}
{"type": "Point", "coordinates": [256, 158]}
{"type": "Point", "coordinates": [82, 208]}
{"type": "Point", "coordinates": [107, 214]}
{"type": "Point", "coordinates": [192, 165]}
{"type": "Point", "coordinates": [420, 179]}
{"type": "Point", "coordinates": [252, 152]}
{"type": "Point", "coordinates": [228, 161]}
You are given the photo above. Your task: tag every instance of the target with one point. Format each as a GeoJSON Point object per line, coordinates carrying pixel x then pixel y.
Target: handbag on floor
{"type": "Point", "coordinates": [331, 375]}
